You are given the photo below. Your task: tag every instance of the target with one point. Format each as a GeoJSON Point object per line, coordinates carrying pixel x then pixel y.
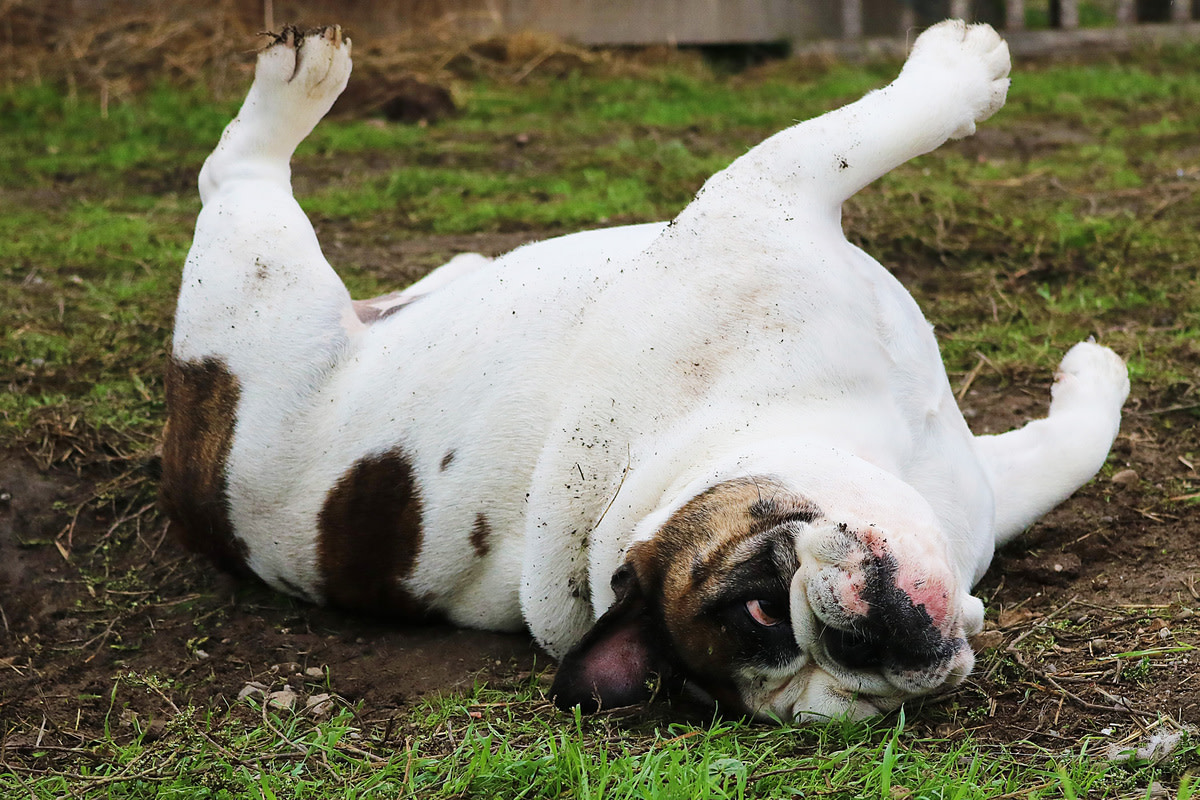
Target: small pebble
{"type": "Point", "coordinates": [316, 673]}
{"type": "Point", "coordinates": [1126, 477]}
{"type": "Point", "coordinates": [251, 689]}
{"type": "Point", "coordinates": [284, 698]}
{"type": "Point", "coordinates": [319, 705]}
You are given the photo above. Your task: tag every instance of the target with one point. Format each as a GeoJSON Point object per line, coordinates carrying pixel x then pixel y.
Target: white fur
{"type": "Point", "coordinates": [591, 385]}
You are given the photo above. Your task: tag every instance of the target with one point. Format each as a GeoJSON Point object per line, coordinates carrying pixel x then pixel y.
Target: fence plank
{"type": "Point", "coordinates": [1068, 14]}
{"type": "Point", "coordinates": [852, 19]}
{"type": "Point", "coordinates": [1014, 15]}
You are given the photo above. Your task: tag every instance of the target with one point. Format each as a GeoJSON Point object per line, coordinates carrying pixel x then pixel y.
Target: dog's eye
{"type": "Point", "coordinates": [767, 613]}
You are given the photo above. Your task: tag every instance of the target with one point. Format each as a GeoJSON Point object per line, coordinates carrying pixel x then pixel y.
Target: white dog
{"type": "Point", "coordinates": [721, 452]}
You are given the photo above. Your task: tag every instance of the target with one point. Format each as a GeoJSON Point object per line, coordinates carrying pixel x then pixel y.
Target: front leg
{"type": "Point", "coordinates": [1036, 467]}
{"type": "Point", "coordinates": [955, 77]}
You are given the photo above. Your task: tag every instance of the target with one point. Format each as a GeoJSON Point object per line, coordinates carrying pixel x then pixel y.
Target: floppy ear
{"type": "Point", "coordinates": [619, 662]}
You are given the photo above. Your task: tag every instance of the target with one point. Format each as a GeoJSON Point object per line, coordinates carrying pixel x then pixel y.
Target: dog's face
{"type": "Point", "coordinates": [750, 594]}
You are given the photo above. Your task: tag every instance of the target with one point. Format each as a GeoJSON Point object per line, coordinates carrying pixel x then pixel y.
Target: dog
{"type": "Point", "coordinates": [718, 455]}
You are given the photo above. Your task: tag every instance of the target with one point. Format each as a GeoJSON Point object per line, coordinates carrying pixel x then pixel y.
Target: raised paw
{"type": "Point", "coordinates": [1090, 374]}
{"type": "Point", "coordinates": [298, 77]}
{"type": "Point", "coordinates": [969, 61]}
{"type": "Point", "coordinates": [303, 72]}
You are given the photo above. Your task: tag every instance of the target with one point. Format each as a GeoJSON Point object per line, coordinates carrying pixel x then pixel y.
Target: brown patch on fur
{"type": "Point", "coordinates": [480, 535]}
{"type": "Point", "coordinates": [370, 532]}
{"type": "Point", "coordinates": [447, 460]}
{"type": "Point", "coordinates": [202, 400]}
{"type": "Point", "coordinates": [693, 558]}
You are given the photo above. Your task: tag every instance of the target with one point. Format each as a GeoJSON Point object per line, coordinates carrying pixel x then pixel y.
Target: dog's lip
{"type": "Point", "coordinates": [875, 682]}
{"type": "Point", "coordinates": [862, 682]}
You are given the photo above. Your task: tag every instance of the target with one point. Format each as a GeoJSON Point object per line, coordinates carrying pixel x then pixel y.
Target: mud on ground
{"type": "Point", "coordinates": [106, 624]}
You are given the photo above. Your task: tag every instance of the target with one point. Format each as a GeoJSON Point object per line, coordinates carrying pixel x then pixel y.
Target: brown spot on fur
{"type": "Point", "coordinates": [370, 537]}
{"type": "Point", "coordinates": [716, 541]}
{"type": "Point", "coordinates": [202, 400]}
{"type": "Point", "coordinates": [447, 460]}
{"type": "Point", "coordinates": [480, 534]}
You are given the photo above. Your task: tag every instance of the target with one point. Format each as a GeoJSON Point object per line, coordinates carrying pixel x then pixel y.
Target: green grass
{"type": "Point", "coordinates": [1076, 217]}
{"type": "Point", "coordinates": [489, 744]}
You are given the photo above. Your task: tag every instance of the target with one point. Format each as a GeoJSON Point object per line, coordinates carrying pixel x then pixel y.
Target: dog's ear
{"type": "Point", "coordinates": [620, 661]}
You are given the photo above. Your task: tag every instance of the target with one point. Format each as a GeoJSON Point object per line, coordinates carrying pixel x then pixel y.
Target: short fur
{"type": "Point", "coordinates": [720, 452]}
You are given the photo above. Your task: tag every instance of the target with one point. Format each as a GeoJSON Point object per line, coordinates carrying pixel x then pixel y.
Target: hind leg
{"type": "Point", "coordinates": [257, 291]}
{"type": "Point", "coordinates": [1036, 467]}
{"type": "Point", "coordinates": [296, 80]}
{"type": "Point", "coordinates": [261, 318]}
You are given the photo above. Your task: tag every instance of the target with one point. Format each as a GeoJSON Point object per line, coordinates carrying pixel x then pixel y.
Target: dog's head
{"type": "Point", "coordinates": [752, 595]}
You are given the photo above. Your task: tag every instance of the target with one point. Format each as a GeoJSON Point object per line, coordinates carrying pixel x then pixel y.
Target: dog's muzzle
{"type": "Point", "coordinates": [877, 615]}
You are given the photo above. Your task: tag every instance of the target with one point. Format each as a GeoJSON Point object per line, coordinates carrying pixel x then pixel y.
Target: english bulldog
{"type": "Point", "coordinates": [719, 453]}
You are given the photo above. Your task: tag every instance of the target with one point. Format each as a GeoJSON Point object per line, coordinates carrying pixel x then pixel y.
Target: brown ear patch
{"type": "Point", "coordinates": [708, 536]}
{"type": "Point", "coordinates": [202, 398]}
{"type": "Point", "coordinates": [369, 537]}
{"type": "Point", "coordinates": [727, 545]}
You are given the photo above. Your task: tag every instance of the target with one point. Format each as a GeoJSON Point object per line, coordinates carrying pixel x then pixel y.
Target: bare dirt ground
{"type": "Point", "coordinates": [100, 630]}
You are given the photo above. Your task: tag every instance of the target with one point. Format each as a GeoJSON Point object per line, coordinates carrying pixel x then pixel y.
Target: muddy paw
{"type": "Point", "coordinates": [298, 77]}
{"type": "Point", "coordinates": [309, 66]}
{"type": "Point", "coordinates": [971, 61]}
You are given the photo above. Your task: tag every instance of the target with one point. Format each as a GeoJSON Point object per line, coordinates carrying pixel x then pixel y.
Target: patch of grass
{"type": "Point", "coordinates": [507, 744]}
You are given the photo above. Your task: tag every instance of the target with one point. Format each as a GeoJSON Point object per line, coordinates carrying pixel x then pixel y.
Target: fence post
{"type": "Point", "coordinates": [1014, 15]}
{"type": "Point", "coordinates": [1181, 10]}
{"type": "Point", "coordinates": [960, 9]}
{"type": "Point", "coordinates": [852, 21]}
{"type": "Point", "coordinates": [1068, 14]}
{"type": "Point", "coordinates": [1126, 12]}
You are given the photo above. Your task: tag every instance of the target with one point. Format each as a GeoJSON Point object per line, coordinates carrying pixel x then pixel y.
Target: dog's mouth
{"type": "Point", "coordinates": [887, 663]}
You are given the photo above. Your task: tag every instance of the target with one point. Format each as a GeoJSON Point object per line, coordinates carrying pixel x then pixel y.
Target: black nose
{"type": "Point", "coordinates": [856, 649]}
{"type": "Point", "coordinates": [895, 641]}
{"type": "Point", "coordinates": [894, 633]}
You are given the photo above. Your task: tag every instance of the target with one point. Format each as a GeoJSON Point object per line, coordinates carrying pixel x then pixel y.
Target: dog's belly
{"type": "Point", "coordinates": [399, 483]}
{"type": "Point", "coordinates": [514, 400]}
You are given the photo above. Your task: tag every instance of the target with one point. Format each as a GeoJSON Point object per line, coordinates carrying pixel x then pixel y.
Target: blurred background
{"type": "Point", "coordinates": [104, 42]}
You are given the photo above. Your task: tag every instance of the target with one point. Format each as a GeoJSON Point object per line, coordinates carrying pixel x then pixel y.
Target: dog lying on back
{"type": "Point", "coordinates": [720, 452]}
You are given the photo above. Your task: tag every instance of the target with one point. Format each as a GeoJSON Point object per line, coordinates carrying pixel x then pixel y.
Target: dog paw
{"type": "Point", "coordinates": [1090, 374]}
{"type": "Point", "coordinates": [305, 67]}
{"type": "Point", "coordinates": [971, 62]}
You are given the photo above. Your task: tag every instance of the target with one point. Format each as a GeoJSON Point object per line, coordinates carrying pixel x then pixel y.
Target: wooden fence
{"type": "Point", "coordinates": [640, 22]}
{"type": "Point", "coordinates": [852, 23]}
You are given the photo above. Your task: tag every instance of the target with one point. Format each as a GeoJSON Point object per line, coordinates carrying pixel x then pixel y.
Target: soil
{"type": "Point", "coordinates": [93, 613]}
